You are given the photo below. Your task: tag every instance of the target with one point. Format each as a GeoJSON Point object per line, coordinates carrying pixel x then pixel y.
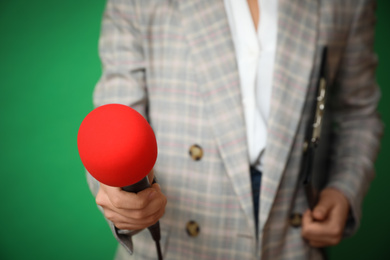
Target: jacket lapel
{"type": "Point", "coordinates": [212, 48]}
{"type": "Point", "coordinates": [208, 34]}
{"type": "Point", "coordinates": [296, 47]}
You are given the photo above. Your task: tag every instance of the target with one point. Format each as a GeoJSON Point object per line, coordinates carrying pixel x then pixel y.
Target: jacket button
{"type": "Point", "coordinates": [196, 152]}
{"type": "Point", "coordinates": [192, 228]}
{"type": "Point", "coordinates": [295, 220]}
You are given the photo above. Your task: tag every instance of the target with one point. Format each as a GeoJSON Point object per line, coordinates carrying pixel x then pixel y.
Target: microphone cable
{"type": "Point", "coordinates": [155, 232]}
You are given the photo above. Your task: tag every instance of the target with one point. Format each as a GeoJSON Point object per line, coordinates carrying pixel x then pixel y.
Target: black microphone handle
{"type": "Point", "coordinates": [139, 186]}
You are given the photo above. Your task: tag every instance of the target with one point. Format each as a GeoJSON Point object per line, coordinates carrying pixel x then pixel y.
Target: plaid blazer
{"type": "Point", "coordinates": [174, 62]}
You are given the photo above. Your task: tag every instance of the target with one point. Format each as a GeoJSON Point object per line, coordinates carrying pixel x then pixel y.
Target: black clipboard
{"type": "Point", "coordinates": [313, 134]}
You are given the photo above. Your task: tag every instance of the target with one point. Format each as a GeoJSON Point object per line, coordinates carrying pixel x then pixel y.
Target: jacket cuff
{"type": "Point", "coordinates": [124, 237]}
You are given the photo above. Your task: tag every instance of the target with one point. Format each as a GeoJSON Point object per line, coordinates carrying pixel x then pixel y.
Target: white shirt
{"type": "Point", "coordinates": [255, 55]}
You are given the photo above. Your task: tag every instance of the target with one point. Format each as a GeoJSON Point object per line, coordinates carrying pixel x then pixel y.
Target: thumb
{"type": "Point", "coordinates": [322, 209]}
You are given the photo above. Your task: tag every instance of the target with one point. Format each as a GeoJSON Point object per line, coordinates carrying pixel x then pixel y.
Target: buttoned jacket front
{"type": "Point", "coordinates": [174, 62]}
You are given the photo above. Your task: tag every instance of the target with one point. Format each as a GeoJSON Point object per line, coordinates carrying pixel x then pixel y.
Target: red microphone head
{"type": "Point", "coordinates": [116, 145]}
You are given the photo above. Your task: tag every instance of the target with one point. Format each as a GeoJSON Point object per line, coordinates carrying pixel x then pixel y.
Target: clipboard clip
{"type": "Point", "coordinates": [320, 108]}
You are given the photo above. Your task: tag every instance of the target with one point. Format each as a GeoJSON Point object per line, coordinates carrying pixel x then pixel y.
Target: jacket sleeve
{"type": "Point", "coordinates": [123, 74]}
{"type": "Point", "coordinates": [358, 128]}
{"type": "Point", "coordinates": [124, 237]}
{"type": "Point", "coordinates": [122, 56]}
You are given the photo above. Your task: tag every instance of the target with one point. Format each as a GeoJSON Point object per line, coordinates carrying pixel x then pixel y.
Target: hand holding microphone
{"type": "Point", "coordinates": [118, 148]}
{"type": "Point", "coordinates": [132, 211]}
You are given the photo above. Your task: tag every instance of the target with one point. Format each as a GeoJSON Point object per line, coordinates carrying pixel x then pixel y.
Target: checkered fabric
{"type": "Point", "coordinates": [173, 61]}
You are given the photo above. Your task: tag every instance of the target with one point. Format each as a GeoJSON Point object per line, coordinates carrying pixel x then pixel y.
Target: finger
{"type": "Point", "coordinates": [131, 226]}
{"type": "Point", "coordinates": [102, 198]}
{"type": "Point", "coordinates": [308, 231]}
{"type": "Point", "coordinates": [127, 226]}
{"type": "Point", "coordinates": [322, 209]}
{"type": "Point", "coordinates": [319, 231]}
{"type": "Point", "coordinates": [115, 195]}
{"type": "Point", "coordinates": [116, 217]}
{"type": "Point", "coordinates": [315, 230]}
{"type": "Point", "coordinates": [155, 203]}
{"type": "Point", "coordinates": [321, 234]}
{"type": "Point", "coordinates": [134, 224]}
{"type": "Point", "coordinates": [156, 186]}
{"type": "Point", "coordinates": [145, 199]}
{"type": "Point", "coordinates": [128, 200]}
{"type": "Point", "coordinates": [324, 241]}
{"type": "Point", "coordinates": [307, 217]}
{"type": "Point", "coordinates": [319, 237]}
{"type": "Point", "coordinates": [307, 221]}
{"type": "Point", "coordinates": [317, 244]}
{"type": "Point", "coordinates": [325, 233]}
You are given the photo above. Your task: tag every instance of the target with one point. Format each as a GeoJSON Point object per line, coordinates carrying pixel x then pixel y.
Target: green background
{"type": "Point", "coordinates": [48, 68]}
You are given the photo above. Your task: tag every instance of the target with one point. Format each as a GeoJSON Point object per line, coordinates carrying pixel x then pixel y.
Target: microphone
{"type": "Point", "coordinates": [118, 148]}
